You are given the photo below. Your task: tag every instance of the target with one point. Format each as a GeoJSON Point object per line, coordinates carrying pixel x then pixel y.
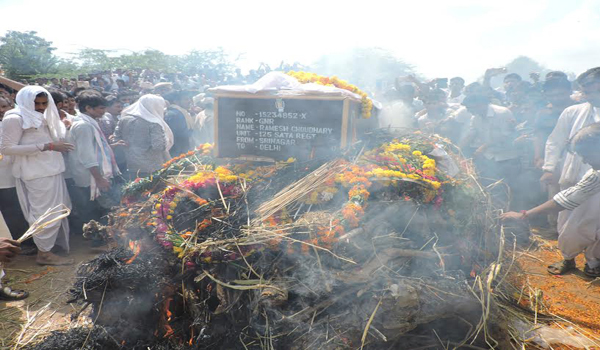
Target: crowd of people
{"type": "Point", "coordinates": [76, 142]}
{"type": "Point", "coordinates": [539, 137]}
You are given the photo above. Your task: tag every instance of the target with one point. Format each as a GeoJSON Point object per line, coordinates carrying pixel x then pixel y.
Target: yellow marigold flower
{"type": "Point", "coordinates": [169, 217]}
{"type": "Point", "coordinates": [417, 153]}
{"type": "Point", "coordinates": [173, 205]}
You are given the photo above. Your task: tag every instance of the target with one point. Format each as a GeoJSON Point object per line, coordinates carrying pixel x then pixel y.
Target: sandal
{"type": "Point", "coordinates": [562, 267]}
{"type": "Point", "coordinates": [591, 272]}
{"type": "Point", "coordinates": [7, 293]}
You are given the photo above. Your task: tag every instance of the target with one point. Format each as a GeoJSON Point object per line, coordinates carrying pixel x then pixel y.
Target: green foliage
{"type": "Point", "coordinates": [24, 54]}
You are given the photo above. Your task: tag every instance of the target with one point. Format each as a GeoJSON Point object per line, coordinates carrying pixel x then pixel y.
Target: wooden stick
{"type": "Point", "coordinates": [11, 83]}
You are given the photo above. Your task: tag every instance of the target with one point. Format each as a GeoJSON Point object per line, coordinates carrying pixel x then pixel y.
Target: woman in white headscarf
{"type": "Point", "coordinates": [33, 135]}
{"type": "Point", "coordinates": [147, 135]}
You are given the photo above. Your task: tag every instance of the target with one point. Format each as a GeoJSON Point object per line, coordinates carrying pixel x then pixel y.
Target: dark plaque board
{"type": "Point", "coordinates": [278, 128]}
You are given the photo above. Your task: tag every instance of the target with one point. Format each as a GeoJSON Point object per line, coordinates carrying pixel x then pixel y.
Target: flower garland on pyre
{"type": "Point", "coordinates": [307, 77]}
{"type": "Point", "coordinates": [392, 165]}
{"type": "Point", "coordinates": [199, 208]}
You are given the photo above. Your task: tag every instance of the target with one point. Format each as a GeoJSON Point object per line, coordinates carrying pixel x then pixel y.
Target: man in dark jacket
{"type": "Point", "coordinates": [179, 120]}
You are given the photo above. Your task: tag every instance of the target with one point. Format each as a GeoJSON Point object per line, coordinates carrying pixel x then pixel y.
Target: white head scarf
{"type": "Point", "coordinates": [151, 108]}
{"type": "Point", "coordinates": [33, 119]}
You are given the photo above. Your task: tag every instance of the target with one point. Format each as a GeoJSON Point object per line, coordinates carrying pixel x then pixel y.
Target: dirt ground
{"type": "Point", "coordinates": [26, 321]}
{"type": "Point", "coordinates": [573, 297]}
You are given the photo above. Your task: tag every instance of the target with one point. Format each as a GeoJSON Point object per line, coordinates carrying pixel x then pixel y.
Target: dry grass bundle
{"type": "Point", "coordinates": [299, 189]}
{"type": "Point", "coordinates": [51, 216]}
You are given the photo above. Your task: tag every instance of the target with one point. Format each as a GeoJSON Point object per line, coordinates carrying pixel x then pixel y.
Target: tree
{"type": "Point", "coordinates": [367, 68]}
{"type": "Point", "coordinates": [208, 62]}
{"type": "Point", "coordinates": [24, 54]}
{"type": "Point", "coordinates": [523, 66]}
{"type": "Point", "coordinates": [95, 59]}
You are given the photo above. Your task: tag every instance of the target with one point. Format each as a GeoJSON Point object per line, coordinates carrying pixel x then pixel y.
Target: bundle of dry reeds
{"type": "Point", "coordinates": [51, 216]}
{"type": "Point", "coordinates": [299, 189]}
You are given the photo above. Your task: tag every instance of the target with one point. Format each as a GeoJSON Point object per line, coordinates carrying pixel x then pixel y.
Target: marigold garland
{"type": "Point", "coordinates": [393, 166]}
{"type": "Point", "coordinates": [307, 77]}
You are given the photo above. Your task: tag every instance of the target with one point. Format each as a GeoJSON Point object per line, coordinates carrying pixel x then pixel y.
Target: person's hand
{"type": "Point", "coordinates": [538, 162]}
{"type": "Point", "coordinates": [103, 184]}
{"type": "Point", "coordinates": [492, 72]}
{"type": "Point", "coordinates": [120, 143]}
{"type": "Point", "coordinates": [547, 178]}
{"type": "Point", "coordinates": [60, 146]}
{"type": "Point", "coordinates": [512, 215]}
{"type": "Point", "coordinates": [8, 249]}
{"type": "Point", "coordinates": [67, 123]}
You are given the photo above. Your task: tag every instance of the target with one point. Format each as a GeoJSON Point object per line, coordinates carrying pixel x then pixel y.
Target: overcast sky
{"type": "Point", "coordinates": [441, 38]}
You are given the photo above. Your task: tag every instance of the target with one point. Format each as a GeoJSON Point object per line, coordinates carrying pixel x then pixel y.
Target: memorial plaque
{"type": "Point", "coordinates": [280, 127]}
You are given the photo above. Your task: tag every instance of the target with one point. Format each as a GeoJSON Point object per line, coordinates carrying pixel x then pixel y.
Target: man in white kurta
{"type": "Point", "coordinates": [572, 223]}
{"type": "Point", "coordinates": [32, 134]}
{"type": "Point", "coordinates": [585, 233]}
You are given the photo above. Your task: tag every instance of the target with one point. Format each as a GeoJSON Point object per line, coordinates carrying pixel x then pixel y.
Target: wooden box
{"type": "Point", "coordinates": [275, 126]}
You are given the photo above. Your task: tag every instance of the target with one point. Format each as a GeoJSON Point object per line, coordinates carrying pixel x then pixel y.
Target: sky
{"type": "Point", "coordinates": [440, 38]}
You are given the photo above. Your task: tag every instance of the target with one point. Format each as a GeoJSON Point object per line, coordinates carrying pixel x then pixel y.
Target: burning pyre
{"type": "Point", "coordinates": [381, 247]}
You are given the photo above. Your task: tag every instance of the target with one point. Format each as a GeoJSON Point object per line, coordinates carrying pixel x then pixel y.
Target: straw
{"type": "Point", "coordinates": [51, 216]}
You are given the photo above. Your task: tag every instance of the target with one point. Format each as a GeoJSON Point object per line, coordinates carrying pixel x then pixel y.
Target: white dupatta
{"type": "Point", "coordinates": [32, 118]}
{"type": "Point", "coordinates": [152, 109]}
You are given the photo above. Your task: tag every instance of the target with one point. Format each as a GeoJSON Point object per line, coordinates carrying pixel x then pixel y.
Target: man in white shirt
{"type": "Point", "coordinates": [582, 201]}
{"type": "Point", "coordinates": [9, 201]}
{"type": "Point", "coordinates": [92, 164]}
{"type": "Point", "coordinates": [32, 134]}
{"type": "Point", "coordinates": [557, 160]}
{"type": "Point", "coordinates": [491, 130]}
{"type": "Point", "coordinates": [457, 85]}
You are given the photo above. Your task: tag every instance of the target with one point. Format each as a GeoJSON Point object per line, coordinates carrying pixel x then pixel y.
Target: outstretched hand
{"type": "Point", "coordinates": [8, 249]}
{"type": "Point", "coordinates": [511, 215]}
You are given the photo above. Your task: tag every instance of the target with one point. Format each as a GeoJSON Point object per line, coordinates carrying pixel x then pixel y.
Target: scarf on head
{"type": "Point", "coordinates": [34, 119]}
{"type": "Point", "coordinates": [108, 164]}
{"type": "Point", "coordinates": [151, 108]}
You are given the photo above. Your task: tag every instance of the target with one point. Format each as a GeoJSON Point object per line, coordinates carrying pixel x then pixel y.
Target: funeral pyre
{"type": "Point", "coordinates": [387, 245]}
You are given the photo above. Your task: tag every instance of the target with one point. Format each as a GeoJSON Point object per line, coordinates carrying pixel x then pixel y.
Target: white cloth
{"type": "Point", "coordinates": [25, 146]}
{"type": "Point", "coordinates": [107, 164]}
{"type": "Point", "coordinates": [38, 195]}
{"type": "Point", "coordinates": [204, 128]}
{"type": "Point", "coordinates": [579, 231]}
{"type": "Point", "coordinates": [152, 109]}
{"type": "Point", "coordinates": [32, 118]}
{"type": "Point", "coordinates": [576, 195]}
{"type": "Point", "coordinates": [7, 180]}
{"type": "Point", "coordinates": [571, 120]}
{"type": "Point", "coordinates": [281, 82]}
{"type": "Point", "coordinates": [496, 131]}
{"type": "Point", "coordinates": [456, 100]}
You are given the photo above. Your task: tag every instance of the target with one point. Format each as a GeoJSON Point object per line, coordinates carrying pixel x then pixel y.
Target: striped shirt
{"type": "Point", "coordinates": [576, 195]}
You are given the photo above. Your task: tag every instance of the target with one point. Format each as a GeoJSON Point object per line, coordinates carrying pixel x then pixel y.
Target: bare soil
{"type": "Point", "coordinates": [26, 321]}
{"type": "Point", "coordinates": [573, 297]}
